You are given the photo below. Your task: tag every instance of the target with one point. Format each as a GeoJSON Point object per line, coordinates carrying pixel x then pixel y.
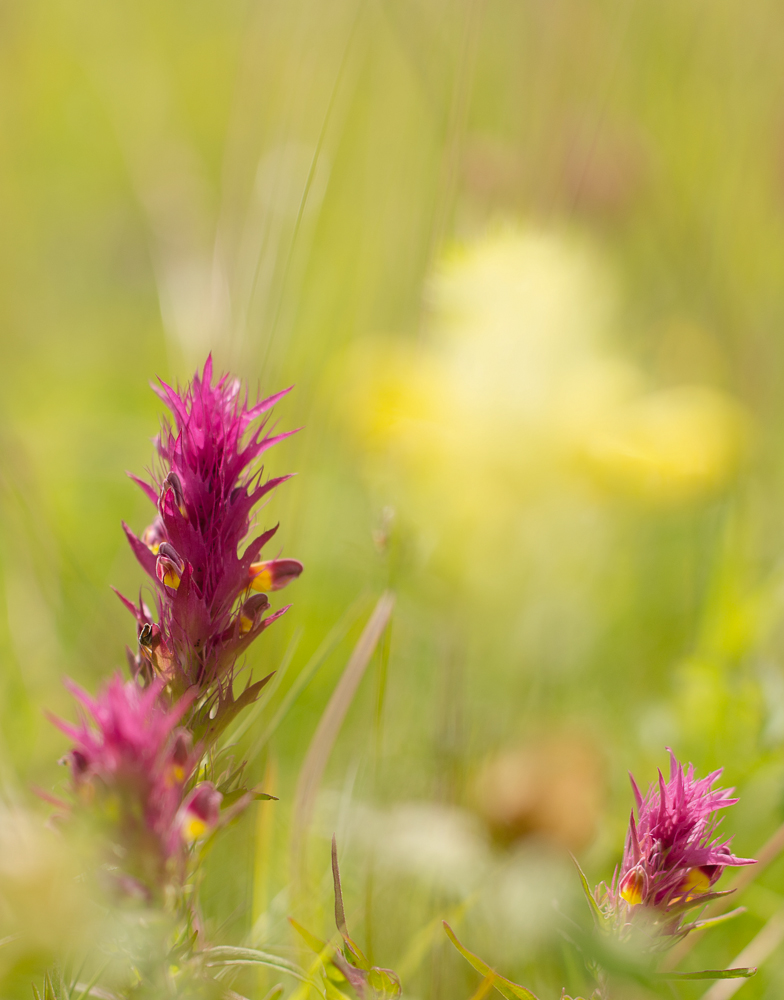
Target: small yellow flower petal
{"type": "Point", "coordinates": [193, 828]}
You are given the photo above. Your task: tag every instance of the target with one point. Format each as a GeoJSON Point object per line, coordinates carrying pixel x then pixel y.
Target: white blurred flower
{"type": "Point", "coordinates": [511, 897]}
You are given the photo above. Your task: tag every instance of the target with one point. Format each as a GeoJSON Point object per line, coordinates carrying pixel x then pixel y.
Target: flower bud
{"type": "Point", "coordinates": [200, 811]}
{"type": "Point", "coordinates": [153, 648]}
{"type": "Point", "coordinates": [150, 638]}
{"type": "Point", "coordinates": [78, 763]}
{"type": "Point", "coordinates": [153, 535]}
{"type": "Point", "coordinates": [634, 886]}
{"type": "Point", "coordinates": [172, 482]}
{"type": "Point", "coordinates": [251, 612]}
{"type": "Point", "coordinates": [180, 756]}
{"type": "Point", "coordinates": [169, 566]}
{"type": "Point", "coordinates": [274, 574]}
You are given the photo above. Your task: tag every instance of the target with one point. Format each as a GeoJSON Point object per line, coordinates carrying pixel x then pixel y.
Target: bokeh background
{"type": "Point", "coordinates": [523, 261]}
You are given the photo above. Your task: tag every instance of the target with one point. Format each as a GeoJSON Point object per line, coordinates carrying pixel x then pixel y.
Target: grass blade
{"type": "Point", "coordinates": [484, 988]}
{"type": "Point", "coordinates": [508, 989]}
{"type": "Point", "coordinates": [758, 950]}
{"type": "Point", "coordinates": [85, 991]}
{"type": "Point", "coordinates": [709, 974]}
{"type": "Point", "coordinates": [332, 719]}
{"type": "Point", "coordinates": [331, 640]}
{"type": "Point", "coordinates": [703, 925]}
{"type": "Point", "coordinates": [340, 913]}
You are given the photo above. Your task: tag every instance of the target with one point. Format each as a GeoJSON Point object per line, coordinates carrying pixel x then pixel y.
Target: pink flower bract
{"type": "Point", "coordinates": [130, 764]}
{"type": "Point", "coordinates": [673, 850]}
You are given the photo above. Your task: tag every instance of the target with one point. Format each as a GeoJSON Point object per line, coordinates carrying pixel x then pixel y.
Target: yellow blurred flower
{"type": "Point", "coordinates": [516, 392]}
{"type": "Point", "coordinates": [672, 445]}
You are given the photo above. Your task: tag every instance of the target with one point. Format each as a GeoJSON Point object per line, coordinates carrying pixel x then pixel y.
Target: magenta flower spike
{"type": "Point", "coordinates": [673, 854]}
{"type": "Point", "coordinates": [205, 495]}
{"type": "Point", "coordinates": [130, 763]}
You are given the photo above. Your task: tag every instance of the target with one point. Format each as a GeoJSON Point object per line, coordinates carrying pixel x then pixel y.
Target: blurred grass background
{"type": "Point", "coordinates": [522, 261]}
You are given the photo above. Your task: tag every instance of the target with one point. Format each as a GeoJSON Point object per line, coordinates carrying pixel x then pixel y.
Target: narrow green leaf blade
{"type": "Point", "coordinates": [508, 989]}
{"type": "Point", "coordinates": [596, 912]}
{"type": "Point", "coordinates": [384, 983]}
{"type": "Point", "coordinates": [709, 974]}
{"type": "Point", "coordinates": [225, 955]}
{"type": "Point", "coordinates": [85, 991]}
{"type": "Point", "coordinates": [340, 913]}
{"type": "Point", "coordinates": [314, 943]}
{"type": "Point", "coordinates": [701, 925]}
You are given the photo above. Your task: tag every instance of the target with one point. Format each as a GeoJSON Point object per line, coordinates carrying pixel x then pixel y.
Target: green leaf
{"type": "Point", "coordinates": [508, 989]}
{"type": "Point", "coordinates": [596, 911]}
{"type": "Point", "coordinates": [340, 915]}
{"type": "Point", "coordinates": [85, 993]}
{"type": "Point", "coordinates": [333, 973]}
{"type": "Point", "coordinates": [698, 900]}
{"type": "Point", "coordinates": [314, 943]}
{"type": "Point", "coordinates": [227, 956]}
{"type": "Point", "coordinates": [701, 925]}
{"type": "Point", "coordinates": [230, 798]}
{"type": "Point", "coordinates": [384, 983]}
{"type": "Point", "coordinates": [333, 993]}
{"type": "Point", "coordinates": [355, 955]}
{"type": "Point", "coordinates": [709, 974]}
{"type": "Point", "coordinates": [213, 730]}
{"type": "Point", "coordinates": [49, 993]}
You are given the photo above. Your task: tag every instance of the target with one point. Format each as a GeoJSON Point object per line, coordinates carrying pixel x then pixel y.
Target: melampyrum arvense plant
{"type": "Point", "coordinates": [672, 859]}
{"type": "Point", "coordinates": [145, 766]}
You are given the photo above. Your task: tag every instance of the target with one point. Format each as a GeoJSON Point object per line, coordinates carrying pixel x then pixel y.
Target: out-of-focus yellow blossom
{"type": "Point", "coordinates": [671, 445]}
{"type": "Point", "coordinates": [515, 392]}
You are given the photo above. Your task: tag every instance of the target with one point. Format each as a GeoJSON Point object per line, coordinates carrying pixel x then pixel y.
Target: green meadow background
{"type": "Point", "coordinates": [523, 262]}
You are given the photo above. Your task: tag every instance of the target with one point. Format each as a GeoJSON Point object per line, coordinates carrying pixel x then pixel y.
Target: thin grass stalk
{"type": "Point", "coordinates": [754, 954]}
{"type": "Point", "coordinates": [329, 726]}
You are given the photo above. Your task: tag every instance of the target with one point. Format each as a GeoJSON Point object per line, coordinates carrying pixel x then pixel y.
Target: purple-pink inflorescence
{"type": "Point", "coordinates": [143, 748]}
{"type": "Point", "coordinates": [673, 854]}
{"type": "Point", "coordinates": [207, 611]}
{"type": "Point", "coordinates": [130, 763]}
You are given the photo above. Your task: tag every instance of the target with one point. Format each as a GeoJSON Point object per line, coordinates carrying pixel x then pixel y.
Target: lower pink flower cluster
{"type": "Point", "coordinates": [135, 768]}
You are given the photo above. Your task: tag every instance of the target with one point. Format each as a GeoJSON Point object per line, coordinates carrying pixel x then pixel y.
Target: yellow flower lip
{"type": "Point", "coordinates": [251, 613]}
{"type": "Point", "coordinates": [169, 566]}
{"type": "Point", "coordinates": [274, 574]}
{"type": "Point", "coordinates": [262, 578]}
{"type": "Point", "coordinates": [695, 883]}
{"type": "Point", "coordinates": [170, 579]}
{"type": "Point", "coordinates": [193, 828]}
